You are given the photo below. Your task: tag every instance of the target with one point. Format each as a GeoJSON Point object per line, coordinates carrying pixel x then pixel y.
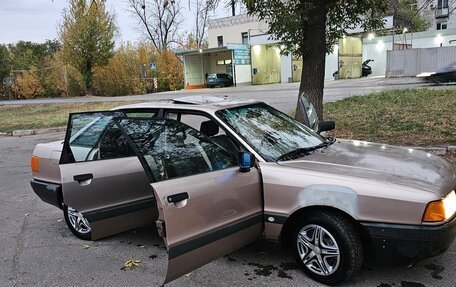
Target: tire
{"type": "Point", "coordinates": [77, 223]}
{"type": "Point", "coordinates": [339, 253]}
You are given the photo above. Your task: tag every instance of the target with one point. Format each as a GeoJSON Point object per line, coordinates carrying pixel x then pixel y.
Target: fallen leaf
{"type": "Point", "coordinates": [130, 264]}
{"type": "Point", "coordinates": [188, 274]}
{"type": "Point", "coordinates": [86, 246]}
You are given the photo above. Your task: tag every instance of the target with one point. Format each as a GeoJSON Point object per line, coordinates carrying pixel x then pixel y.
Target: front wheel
{"type": "Point", "coordinates": [328, 247]}
{"type": "Point", "coordinates": [77, 223]}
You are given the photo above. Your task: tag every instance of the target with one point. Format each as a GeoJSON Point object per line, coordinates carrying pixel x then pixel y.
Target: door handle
{"type": "Point", "coordinates": [82, 177]}
{"type": "Point", "coordinates": [177, 197]}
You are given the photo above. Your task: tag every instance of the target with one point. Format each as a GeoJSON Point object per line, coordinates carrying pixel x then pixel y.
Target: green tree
{"type": "Point", "coordinates": [87, 33]}
{"type": "Point", "coordinates": [407, 15]}
{"type": "Point", "coordinates": [5, 62]}
{"type": "Point", "coordinates": [309, 28]}
{"type": "Point", "coordinates": [26, 55]}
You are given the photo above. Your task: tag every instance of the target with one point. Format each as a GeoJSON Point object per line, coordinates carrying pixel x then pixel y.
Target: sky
{"type": "Point", "coordinates": [37, 20]}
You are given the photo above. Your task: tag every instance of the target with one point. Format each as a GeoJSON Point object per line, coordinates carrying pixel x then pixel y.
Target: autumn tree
{"type": "Point", "coordinates": [310, 28]}
{"type": "Point", "coordinates": [87, 34]}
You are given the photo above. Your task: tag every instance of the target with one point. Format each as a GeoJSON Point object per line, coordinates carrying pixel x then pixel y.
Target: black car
{"type": "Point", "coordinates": [221, 80]}
{"type": "Point", "coordinates": [443, 75]}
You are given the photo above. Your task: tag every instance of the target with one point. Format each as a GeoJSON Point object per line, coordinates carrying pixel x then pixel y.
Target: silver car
{"type": "Point", "coordinates": [215, 174]}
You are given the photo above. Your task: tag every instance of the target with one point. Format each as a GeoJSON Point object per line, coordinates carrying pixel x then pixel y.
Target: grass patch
{"type": "Point", "coordinates": [421, 117]}
{"type": "Point", "coordinates": [47, 115]}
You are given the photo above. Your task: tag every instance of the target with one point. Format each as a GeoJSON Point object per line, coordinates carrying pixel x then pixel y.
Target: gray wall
{"type": "Point", "coordinates": [411, 62]}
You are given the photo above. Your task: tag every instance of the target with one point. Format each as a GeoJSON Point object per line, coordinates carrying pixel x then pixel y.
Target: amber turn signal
{"type": "Point", "coordinates": [435, 212]}
{"type": "Point", "coordinates": [34, 164]}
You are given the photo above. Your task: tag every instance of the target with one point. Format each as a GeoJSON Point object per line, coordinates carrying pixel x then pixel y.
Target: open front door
{"type": "Point", "coordinates": [207, 206]}
{"type": "Point", "coordinates": [102, 179]}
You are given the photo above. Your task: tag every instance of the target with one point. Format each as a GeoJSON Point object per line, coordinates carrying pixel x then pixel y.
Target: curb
{"type": "Point", "coordinates": [21, 133]}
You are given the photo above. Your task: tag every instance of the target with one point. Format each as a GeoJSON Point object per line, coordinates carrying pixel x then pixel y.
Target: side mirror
{"type": "Point", "coordinates": [246, 161]}
{"type": "Point", "coordinates": [324, 126]}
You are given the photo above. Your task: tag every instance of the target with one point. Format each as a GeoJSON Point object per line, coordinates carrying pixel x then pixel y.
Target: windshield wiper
{"type": "Point", "coordinates": [304, 151]}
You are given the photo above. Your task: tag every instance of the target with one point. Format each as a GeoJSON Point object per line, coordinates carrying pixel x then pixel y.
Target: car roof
{"type": "Point", "coordinates": [200, 103]}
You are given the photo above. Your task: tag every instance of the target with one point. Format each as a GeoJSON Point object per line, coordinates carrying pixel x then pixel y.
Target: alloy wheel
{"type": "Point", "coordinates": [78, 221]}
{"type": "Point", "coordinates": [318, 250]}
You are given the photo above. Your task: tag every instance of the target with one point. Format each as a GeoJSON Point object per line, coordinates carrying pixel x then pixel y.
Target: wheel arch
{"type": "Point", "coordinates": [292, 220]}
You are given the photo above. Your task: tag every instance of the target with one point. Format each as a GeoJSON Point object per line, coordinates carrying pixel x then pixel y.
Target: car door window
{"type": "Point", "coordinates": [208, 127]}
{"type": "Point", "coordinates": [172, 149]}
{"type": "Point", "coordinates": [94, 136]}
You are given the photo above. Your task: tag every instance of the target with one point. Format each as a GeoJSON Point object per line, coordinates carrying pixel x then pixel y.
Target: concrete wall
{"type": "Point", "coordinates": [266, 60]}
{"type": "Point", "coordinates": [286, 69]}
{"type": "Point", "coordinates": [331, 64]}
{"type": "Point", "coordinates": [231, 28]}
{"type": "Point", "coordinates": [243, 74]}
{"type": "Point", "coordinates": [375, 49]}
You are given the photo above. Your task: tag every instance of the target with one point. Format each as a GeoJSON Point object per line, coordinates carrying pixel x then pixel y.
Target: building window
{"type": "Point", "coordinates": [441, 25]}
{"type": "Point", "coordinates": [220, 41]}
{"type": "Point", "coordinates": [245, 38]}
{"type": "Point", "coordinates": [442, 4]}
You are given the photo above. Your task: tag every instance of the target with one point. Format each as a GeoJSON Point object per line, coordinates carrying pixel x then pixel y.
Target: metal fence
{"type": "Point", "coordinates": [411, 62]}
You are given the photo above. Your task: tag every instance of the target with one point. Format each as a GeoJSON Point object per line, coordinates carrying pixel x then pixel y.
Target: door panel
{"type": "Point", "coordinates": [101, 177]}
{"type": "Point", "coordinates": [114, 182]}
{"type": "Point", "coordinates": [207, 207]}
{"type": "Point", "coordinates": [223, 213]}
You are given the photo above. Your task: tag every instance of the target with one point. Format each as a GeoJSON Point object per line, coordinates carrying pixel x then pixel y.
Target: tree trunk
{"type": "Point", "coordinates": [313, 57]}
{"type": "Point", "coordinates": [88, 75]}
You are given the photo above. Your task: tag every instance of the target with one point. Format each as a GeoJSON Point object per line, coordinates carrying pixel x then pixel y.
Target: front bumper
{"type": "Point", "coordinates": [392, 244]}
{"type": "Point", "coordinates": [48, 192]}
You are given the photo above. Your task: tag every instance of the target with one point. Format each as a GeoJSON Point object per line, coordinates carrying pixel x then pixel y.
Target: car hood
{"type": "Point", "coordinates": [388, 164]}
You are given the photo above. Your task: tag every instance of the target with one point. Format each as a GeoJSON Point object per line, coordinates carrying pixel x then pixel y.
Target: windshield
{"type": "Point", "coordinates": [270, 132]}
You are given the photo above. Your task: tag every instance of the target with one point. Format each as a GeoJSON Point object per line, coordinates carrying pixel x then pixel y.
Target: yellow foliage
{"type": "Point", "coordinates": [170, 70]}
{"type": "Point", "coordinates": [122, 76]}
{"type": "Point", "coordinates": [27, 86]}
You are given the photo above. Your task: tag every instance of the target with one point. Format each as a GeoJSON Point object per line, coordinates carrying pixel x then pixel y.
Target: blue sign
{"type": "Point", "coordinates": [153, 67]}
{"type": "Point", "coordinates": [241, 57]}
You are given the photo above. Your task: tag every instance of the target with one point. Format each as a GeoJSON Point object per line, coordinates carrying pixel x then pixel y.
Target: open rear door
{"type": "Point", "coordinates": [207, 207]}
{"type": "Point", "coordinates": [101, 176]}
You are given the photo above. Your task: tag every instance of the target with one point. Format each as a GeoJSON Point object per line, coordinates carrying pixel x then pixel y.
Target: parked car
{"type": "Point", "coordinates": [215, 174]}
{"type": "Point", "coordinates": [219, 80]}
{"type": "Point", "coordinates": [443, 75]}
{"type": "Point", "coordinates": [366, 69]}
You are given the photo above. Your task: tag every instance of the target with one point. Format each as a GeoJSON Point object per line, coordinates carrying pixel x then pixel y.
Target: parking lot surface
{"type": "Point", "coordinates": [37, 249]}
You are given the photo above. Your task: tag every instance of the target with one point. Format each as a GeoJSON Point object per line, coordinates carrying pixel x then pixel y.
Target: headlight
{"type": "Point", "coordinates": [441, 210]}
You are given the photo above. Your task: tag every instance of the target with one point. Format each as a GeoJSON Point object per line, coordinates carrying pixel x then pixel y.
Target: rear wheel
{"type": "Point", "coordinates": [328, 247]}
{"type": "Point", "coordinates": [77, 223]}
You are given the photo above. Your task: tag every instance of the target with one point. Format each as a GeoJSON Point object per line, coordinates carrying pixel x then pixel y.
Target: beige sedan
{"type": "Point", "coordinates": [216, 174]}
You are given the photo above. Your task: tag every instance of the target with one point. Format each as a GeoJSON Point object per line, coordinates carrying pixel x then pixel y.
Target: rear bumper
{"type": "Point", "coordinates": [392, 244]}
{"type": "Point", "coordinates": [48, 192]}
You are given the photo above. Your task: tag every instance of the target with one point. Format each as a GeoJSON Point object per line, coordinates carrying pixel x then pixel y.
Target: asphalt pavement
{"type": "Point", "coordinates": [281, 96]}
{"type": "Point", "coordinates": [37, 249]}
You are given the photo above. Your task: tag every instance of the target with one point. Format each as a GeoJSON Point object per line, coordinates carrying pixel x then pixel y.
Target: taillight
{"type": "Point", "coordinates": [34, 164]}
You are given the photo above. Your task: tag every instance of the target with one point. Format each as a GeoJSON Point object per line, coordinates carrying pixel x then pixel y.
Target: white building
{"type": "Point", "coordinates": [241, 47]}
{"type": "Point", "coordinates": [440, 13]}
